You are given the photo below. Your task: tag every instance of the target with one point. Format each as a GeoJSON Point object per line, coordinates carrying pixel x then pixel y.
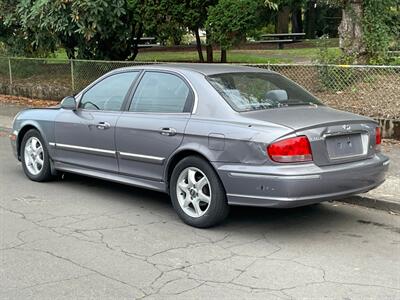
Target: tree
{"type": "Point", "coordinates": [289, 11]}
{"type": "Point", "coordinates": [364, 32]}
{"type": "Point", "coordinates": [229, 28]}
{"type": "Point", "coordinates": [191, 14]}
{"type": "Point", "coordinates": [111, 30]}
{"type": "Point", "coordinates": [350, 29]}
{"type": "Point", "coordinates": [282, 20]}
{"type": "Point", "coordinates": [19, 41]}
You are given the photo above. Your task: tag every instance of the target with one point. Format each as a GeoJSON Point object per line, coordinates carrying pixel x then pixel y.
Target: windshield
{"type": "Point", "coordinates": [255, 91]}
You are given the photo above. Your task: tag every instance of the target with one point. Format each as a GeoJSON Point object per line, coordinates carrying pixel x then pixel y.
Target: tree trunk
{"type": "Point", "coordinates": [282, 24]}
{"type": "Point", "coordinates": [69, 43]}
{"type": "Point", "coordinates": [223, 56]}
{"type": "Point", "coordinates": [198, 45]}
{"type": "Point", "coordinates": [297, 21]}
{"type": "Point", "coordinates": [350, 30]}
{"type": "Point", "coordinates": [70, 52]}
{"type": "Point", "coordinates": [135, 48]}
{"type": "Point", "coordinates": [209, 48]}
{"type": "Point", "coordinates": [210, 55]}
{"type": "Point", "coordinates": [310, 20]}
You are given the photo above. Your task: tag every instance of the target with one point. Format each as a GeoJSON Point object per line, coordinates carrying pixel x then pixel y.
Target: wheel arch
{"type": "Point", "coordinates": [21, 133]}
{"type": "Point", "coordinates": [177, 157]}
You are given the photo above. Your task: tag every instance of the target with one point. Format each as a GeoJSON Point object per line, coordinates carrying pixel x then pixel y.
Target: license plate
{"type": "Point", "coordinates": [343, 146]}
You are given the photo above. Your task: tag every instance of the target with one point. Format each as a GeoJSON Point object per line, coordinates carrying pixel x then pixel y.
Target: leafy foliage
{"type": "Point", "coordinates": [377, 22]}
{"type": "Point", "coordinates": [99, 29]}
{"type": "Point", "coordinates": [228, 27]}
{"type": "Point", "coordinates": [104, 29]}
{"type": "Point", "coordinates": [380, 26]}
{"type": "Point", "coordinates": [95, 28]}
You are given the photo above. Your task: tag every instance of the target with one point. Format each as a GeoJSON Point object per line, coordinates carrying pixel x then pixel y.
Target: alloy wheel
{"type": "Point", "coordinates": [34, 155]}
{"type": "Point", "coordinates": [193, 191]}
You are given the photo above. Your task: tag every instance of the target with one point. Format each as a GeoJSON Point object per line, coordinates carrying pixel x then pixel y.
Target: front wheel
{"type": "Point", "coordinates": [35, 157]}
{"type": "Point", "coordinates": [197, 193]}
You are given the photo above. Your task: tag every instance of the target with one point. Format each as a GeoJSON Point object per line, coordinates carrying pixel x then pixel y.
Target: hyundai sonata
{"type": "Point", "coordinates": [210, 136]}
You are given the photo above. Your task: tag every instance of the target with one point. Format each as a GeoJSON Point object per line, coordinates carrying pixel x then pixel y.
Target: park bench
{"type": "Point", "coordinates": [281, 38]}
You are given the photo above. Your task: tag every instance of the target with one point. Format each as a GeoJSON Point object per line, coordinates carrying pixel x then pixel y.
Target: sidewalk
{"type": "Point", "coordinates": [386, 197]}
{"type": "Point", "coordinates": [7, 114]}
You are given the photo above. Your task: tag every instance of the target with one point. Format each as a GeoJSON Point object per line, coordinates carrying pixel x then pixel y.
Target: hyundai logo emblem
{"type": "Point", "coordinates": [346, 127]}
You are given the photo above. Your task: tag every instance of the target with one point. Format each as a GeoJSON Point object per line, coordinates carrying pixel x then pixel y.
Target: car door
{"type": "Point", "coordinates": [153, 126]}
{"type": "Point", "coordinates": [85, 137]}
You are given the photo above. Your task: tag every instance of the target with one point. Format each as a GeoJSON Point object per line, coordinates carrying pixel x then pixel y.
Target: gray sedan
{"type": "Point", "coordinates": [209, 135]}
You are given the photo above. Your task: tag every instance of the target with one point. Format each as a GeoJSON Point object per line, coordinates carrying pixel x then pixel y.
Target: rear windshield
{"type": "Point", "coordinates": [257, 91]}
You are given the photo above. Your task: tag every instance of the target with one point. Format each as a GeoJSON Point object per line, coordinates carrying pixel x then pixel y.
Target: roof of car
{"type": "Point", "coordinates": [207, 69]}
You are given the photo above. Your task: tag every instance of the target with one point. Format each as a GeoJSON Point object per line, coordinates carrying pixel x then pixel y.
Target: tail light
{"type": "Point", "coordinates": [378, 138]}
{"type": "Point", "coordinates": [290, 150]}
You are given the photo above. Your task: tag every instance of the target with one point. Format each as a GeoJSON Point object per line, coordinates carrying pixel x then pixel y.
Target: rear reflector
{"type": "Point", "coordinates": [378, 136]}
{"type": "Point", "coordinates": [290, 150]}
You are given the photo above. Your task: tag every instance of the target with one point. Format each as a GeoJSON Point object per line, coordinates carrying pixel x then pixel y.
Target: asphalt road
{"type": "Point", "coordinates": [86, 238]}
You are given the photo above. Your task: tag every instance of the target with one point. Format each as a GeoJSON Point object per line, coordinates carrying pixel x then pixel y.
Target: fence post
{"type": "Point", "coordinates": [72, 76]}
{"type": "Point", "coordinates": [10, 73]}
{"type": "Point", "coordinates": [9, 70]}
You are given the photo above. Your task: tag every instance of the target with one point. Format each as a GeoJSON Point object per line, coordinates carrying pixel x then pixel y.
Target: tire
{"type": "Point", "coordinates": [202, 204]}
{"type": "Point", "coordinates": [31, 157]}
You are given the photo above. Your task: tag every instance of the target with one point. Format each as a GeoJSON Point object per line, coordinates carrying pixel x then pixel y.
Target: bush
{"type": "Point", "coordinates": [337, 78]}
{"type": "Point", "coordinates": [334, 78]}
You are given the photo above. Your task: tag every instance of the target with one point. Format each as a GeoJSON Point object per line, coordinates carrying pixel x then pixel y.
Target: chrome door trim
{"type": "Point", "coordinates": [125, 155]}
{"type": "Point", "coordinates": [142, 158]}
{"type": "Point", "coordinates": [84, 149]}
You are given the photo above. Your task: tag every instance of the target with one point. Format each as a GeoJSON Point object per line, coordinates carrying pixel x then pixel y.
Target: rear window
{"type": "Point", "coordinates": [257, 91]}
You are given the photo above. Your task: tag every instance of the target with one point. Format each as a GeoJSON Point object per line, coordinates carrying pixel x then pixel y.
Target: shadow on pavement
{"type": "Point", "coordinates": [301, 218]}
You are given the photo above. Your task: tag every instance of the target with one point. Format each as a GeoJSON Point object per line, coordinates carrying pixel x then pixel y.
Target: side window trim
{"type": "Point", "coordinates": [191, 97]}
{"type": "Point", "coordinates": [97, 81]}
{"type": "Point", "coordinates": [132, 91]}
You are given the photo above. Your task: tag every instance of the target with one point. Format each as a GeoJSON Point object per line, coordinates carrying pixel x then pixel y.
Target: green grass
{"type": "Point", "coordinates": [239, 56]}
{"type": "Point", "coordinates": [234, 56]}
{"type": "Point", "coordinates": [61, 54]}
{"type": "Point", "coordinates": [306, 52]}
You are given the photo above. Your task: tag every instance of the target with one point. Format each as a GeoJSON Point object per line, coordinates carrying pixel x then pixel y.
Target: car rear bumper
{"type": "Point", "coordinates": [289, 185]}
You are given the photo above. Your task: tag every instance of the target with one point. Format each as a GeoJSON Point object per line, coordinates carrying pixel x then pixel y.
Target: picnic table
{"type": "Point", "coordinates": [282, 38]}
{"type": "Point", "coordinates": [147, 42]}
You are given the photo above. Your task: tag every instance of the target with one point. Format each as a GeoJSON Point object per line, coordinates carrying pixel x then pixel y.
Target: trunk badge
{"type": "Point", "coordinates": [346, 127]}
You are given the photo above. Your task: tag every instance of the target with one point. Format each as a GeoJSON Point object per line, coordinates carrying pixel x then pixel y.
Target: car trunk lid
{"type": "Point", "coordinates": [335, 136]}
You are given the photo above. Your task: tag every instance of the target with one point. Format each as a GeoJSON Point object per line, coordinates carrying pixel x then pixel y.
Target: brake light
{"type": "Point", "coordinates": [295, 149]}
{"type": "Point", "coordinates": [378, 138]}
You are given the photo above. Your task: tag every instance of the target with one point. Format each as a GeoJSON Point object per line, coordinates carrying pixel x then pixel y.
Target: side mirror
{"type": "Point", "coordinates": [69, 102]}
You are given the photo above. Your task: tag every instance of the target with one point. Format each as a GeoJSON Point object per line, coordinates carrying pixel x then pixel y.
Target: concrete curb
{"type": "Point", "coordinates": [381, 204]}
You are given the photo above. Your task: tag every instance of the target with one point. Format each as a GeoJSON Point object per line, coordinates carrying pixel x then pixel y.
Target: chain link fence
{"type": "Point", "coordinates": [51, 79]}
{"type": "Point", "coordinates": [369, 90]}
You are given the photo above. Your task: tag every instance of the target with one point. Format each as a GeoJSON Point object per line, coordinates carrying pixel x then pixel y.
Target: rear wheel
{"type": "Point", "coordinates": [197, 193]}
{"type": "Point", "coordinates": [35, 157]}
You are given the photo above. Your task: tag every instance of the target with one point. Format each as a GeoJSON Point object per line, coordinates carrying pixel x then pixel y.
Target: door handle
{"type": "Point", "coordinates": [168, 131]}
{"type": "Point", "coordinates": [103, 125]}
